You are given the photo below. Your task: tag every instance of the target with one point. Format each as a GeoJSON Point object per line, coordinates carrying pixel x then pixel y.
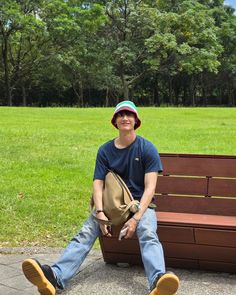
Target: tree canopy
{"type": "Point", "coordinates": [94, 53]}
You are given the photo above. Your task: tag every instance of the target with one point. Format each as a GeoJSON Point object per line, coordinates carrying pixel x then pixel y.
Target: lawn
{"type": "Point", "coordinates": [47, 159]}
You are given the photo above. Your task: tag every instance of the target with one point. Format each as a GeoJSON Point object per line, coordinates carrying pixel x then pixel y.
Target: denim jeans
{"type": "Point", "coordinates": [77, 250]}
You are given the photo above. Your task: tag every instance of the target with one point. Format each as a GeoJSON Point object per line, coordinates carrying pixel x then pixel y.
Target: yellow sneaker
{"type": "Point", "coordinates": [167, 284]}
{"type": "Point", "coordinates": [41, 276]}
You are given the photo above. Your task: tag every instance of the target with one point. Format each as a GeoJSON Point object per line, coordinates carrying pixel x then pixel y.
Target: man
{"type": "Point", "coordinates": [137, 161]}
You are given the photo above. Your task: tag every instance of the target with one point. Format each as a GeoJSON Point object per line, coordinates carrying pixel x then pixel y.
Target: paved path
{"type": "Point", "coordinates": [98, 278]}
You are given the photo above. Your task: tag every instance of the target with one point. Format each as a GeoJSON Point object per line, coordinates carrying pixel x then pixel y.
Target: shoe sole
{"type": "Point", "coordinates": [35, 275]}
{"type": "Point", "coordinates": [168, 284]}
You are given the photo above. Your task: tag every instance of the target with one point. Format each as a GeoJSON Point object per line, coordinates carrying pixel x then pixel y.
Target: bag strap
{"type": "Point", "coordinates": [102, 221]}
{"type": "Point", "coordinates": [122, 184]}
{"type": "Point", "coordinates": [109, 222]}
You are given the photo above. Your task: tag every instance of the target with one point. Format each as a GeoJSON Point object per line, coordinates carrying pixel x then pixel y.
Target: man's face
{"type": "Point", "coordinates": [125, 120]}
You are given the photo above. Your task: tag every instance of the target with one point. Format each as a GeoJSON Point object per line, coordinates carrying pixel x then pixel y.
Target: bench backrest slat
{"type": "Point", "coordinates": [199, 165]}
{"type": "Point", "coordinates": [202, 184]}
{"type": "Point", "coordinates": [196, 205]}
{"type": "Point", "coordinates": [181, 185]}
{"type": "Point", "coordinates": [222, 187]}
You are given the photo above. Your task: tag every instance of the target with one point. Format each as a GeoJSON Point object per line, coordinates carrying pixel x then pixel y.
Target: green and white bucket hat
{"type": "Point", "coordinates": [126, 105]}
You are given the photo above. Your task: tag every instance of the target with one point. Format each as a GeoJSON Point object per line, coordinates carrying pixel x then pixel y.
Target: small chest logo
{"type": "Point", "coordinates": [136, 159]}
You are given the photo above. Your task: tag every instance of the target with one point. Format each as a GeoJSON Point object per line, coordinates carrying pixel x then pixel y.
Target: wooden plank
{"type": "Point", "coordinates": [217, 266]}
{"type": "Point", "coordinates": [176, 234]}
{"type": "Point", "coordinates": [200, 252]}
{"type": "Point", "coordinates": [173, 262]}
{"type": "Point", "coordinates": [133, 259]}
{"type": "Point", "coordinates": [204, 205]}
{"type": "Point", "coordinates": [197, 220]}
{"type": "Point", "coordinates": [182, 263]}
{"type": "Point", "coordinates": [199, 165]}
{"type": "Point", "coordinates": [125, 246]}
{"type": "Point", "coordinates": [116, 231]}
{"type": "Point", "coordinates": [182, 255]}
{"type": "Point", "coordinates": [225, 238]}
{"type": "Point", "coordinates": [181, 185]}
{"type": "Point", "coordinates": [222, 187]}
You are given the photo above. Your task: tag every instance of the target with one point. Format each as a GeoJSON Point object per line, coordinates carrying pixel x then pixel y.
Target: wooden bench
{"type": "Point", "coordinates": [196, 212]}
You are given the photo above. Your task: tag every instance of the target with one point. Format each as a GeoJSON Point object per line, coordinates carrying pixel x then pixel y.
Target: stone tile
{"type": "Point", "coordinates": [3, 289]}
{"type": "Point", "coordinates": [47, 258]}
{"type": "Point", "coordinates": [11, 259]}
{"type": "Point", "coordinates": [17, 292]}
{"type": "Point", "coordinates": [8, 272]}
{"type": "Point", "coordinates": [17, 282]}
{"type": "Point", "coordinates": [98, 278]}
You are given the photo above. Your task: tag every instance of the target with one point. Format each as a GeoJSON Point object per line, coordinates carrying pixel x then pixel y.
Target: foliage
{"type": "Point", "coordinates": [97, 52]}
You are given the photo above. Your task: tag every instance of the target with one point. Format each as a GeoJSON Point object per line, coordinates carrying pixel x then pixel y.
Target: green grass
{"type": "Point", "coordinates": [47, 159]}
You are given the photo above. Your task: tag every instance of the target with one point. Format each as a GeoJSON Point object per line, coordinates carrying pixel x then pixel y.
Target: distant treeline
{"type": "Point", "coordinates": [94, 53]}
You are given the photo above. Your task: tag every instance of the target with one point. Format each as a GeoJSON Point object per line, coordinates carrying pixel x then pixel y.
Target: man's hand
{"type": "Point", "coordinates": [131, 224]}
{"type": "Point", "coordinates": [149, 190]}
{"type": "Point", "coordinates": [105, 229]}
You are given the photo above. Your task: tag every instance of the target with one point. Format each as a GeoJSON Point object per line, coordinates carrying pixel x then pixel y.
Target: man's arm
{"type": "Point", "coordinates": [97, 197]}
{"type": "Point", "coordinates": [150, 180]}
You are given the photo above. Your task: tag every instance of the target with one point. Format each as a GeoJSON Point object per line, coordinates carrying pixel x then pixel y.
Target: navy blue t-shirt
{"type": "Point", "coordinates": [131, 163]}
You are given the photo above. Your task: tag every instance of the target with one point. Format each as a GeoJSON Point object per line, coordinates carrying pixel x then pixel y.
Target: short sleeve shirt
{"type": "Point", "coordinates": [131, 163]}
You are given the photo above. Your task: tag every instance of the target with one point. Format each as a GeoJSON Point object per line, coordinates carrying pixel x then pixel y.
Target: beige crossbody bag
{"type": "Point", "coordinates": [118, 203]}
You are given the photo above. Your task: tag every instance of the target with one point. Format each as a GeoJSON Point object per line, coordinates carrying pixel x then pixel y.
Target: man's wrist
{"type": "Point", "coordinates": [99, 211]}
{"type": "Point", "coordinates": [136, 219]}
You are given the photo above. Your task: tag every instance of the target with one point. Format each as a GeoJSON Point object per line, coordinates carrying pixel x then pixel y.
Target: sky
{"type": "Point", "coordinates": [231, 3]}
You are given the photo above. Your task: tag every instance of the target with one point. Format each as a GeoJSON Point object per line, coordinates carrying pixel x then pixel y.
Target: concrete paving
{"type": "Point", "coordinates": [96, 277]}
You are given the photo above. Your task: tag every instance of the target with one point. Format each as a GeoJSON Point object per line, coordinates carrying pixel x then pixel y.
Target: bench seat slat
{"type": "Point", "coordinates": [197, 220]}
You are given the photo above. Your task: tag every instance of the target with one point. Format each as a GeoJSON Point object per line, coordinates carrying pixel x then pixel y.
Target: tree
{"type": "Point", "coordinates": [72, 52]}
{"type": "Point", "coordinates": [128, 27]}
{"type": "Point", "coordinates": [20, 32]}
{"type": "Point", "coordinates": [185, 41]}
{"type": "Point", "coordinates": [34, 33]}
{"type": "Point", "coordinates": [73, 26]}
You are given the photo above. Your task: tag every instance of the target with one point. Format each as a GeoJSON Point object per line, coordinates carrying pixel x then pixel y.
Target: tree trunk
{"type": "Point", "coordinates": [76, 93]}
{"type": "Point", "coordinates": [170, 90]}
{"type": "Point", "coordinates": [191, 90]}
{"type": "Point", "coordinates": [125, 85]}
{"type": "Point", "coordinates": [185, 90]}
{"type": "Point", "coordinates": [125, 90]}
{"type": "Point", "coordinates": [156, 98]}
{"type": "Point", "coordinates": [24, 100]}
{"type": "Point", "coordinates": [204, 92]}
{"type": "Point", "coordinates": [6, 71]}
{"type": "Point", "coordinates": [81, 93]}
{"type": "Point", "coordinates": [107, 98]}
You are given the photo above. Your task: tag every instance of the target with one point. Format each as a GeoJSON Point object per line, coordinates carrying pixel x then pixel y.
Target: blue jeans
{"type": "Point", "coordinates": [77, 250]}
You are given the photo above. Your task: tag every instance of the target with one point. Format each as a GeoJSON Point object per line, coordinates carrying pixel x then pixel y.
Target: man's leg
{"type": "Point", "coordinates": [160, 282]}
{"type": "Point", "coordinates": [47, 278]}
{"type": "Point", "coordinates": [75, 253]}
{"type": "Point", "coordinates": [150, 246]}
